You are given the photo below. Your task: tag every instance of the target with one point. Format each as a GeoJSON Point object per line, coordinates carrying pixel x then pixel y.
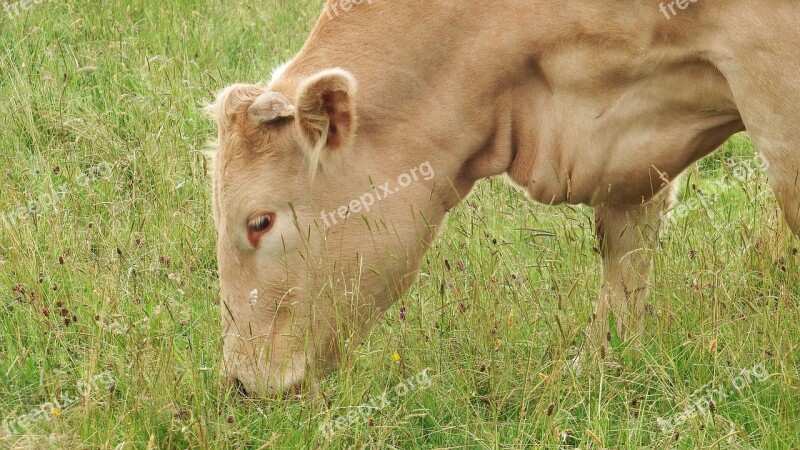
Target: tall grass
{"type": "Point", "coordinates": [107, 264]}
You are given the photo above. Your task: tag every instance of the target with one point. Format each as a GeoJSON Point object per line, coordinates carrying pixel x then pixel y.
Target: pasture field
{"type": "Point", "coordinates": [109, 320]}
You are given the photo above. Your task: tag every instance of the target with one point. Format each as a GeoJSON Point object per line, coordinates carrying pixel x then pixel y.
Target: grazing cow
{"type": "Point", "coordinates": [580, 102]}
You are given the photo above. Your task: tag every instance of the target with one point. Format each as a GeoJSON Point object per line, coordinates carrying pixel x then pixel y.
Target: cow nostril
{"type": "Point", "coordinates": [240, 387]}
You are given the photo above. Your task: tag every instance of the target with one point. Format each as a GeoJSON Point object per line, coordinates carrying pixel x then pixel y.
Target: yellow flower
{"type": "Point", "coordinates": [396, 356]}
{"type": "Point", "coordinates": [56, 412]}
{"type": "Point", "coordinates": [497, 343]}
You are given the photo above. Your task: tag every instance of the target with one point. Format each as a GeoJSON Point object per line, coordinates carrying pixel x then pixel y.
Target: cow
{"type": "Point", "coordinates": [581, 102]}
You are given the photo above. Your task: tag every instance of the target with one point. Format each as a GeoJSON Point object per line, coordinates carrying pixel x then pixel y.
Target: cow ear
{"type": "Point", "coordinates": [326, 116]}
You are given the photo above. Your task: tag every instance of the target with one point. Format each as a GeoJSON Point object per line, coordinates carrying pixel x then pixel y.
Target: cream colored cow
{"type": "Point", "coordinates": [579, 102]}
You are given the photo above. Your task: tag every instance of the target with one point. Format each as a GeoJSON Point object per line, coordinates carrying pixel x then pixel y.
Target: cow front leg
{"type": "Point", "coordinates": [628, 236]}
{"type": "Point", "coordinates": [784, 177]}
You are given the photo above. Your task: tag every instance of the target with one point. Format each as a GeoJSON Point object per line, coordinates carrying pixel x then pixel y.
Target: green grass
{"type": "Point", "coordinates": [101, 130]}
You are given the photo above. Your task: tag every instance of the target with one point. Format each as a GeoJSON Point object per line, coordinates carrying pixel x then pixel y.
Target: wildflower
{"type": "Point", "coordinates": [396, 356]}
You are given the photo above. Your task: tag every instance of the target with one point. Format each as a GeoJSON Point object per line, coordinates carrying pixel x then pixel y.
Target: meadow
{"type": "Point", "coordinates": [109, 315]}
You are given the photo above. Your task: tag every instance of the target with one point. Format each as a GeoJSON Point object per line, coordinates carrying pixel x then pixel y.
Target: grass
{"type": "Point", "coordinates": [107, 265]}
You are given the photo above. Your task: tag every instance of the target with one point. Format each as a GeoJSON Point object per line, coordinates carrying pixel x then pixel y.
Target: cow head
{"type": "Point", "coordinates": [311, 246]}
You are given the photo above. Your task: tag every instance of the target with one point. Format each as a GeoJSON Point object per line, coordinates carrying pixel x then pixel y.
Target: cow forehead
{"type": "Point", "coordinates": [270, 168]}
{"type": "Point", "coordinates": [246, 149]}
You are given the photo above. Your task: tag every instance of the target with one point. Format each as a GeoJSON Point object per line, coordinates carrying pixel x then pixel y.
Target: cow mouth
{"type": "Point", "coordinates": [296, 392]}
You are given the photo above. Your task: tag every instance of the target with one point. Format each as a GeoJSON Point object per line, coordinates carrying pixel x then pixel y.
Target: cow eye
{"type": "Point", "coordinates": [259, 225]}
